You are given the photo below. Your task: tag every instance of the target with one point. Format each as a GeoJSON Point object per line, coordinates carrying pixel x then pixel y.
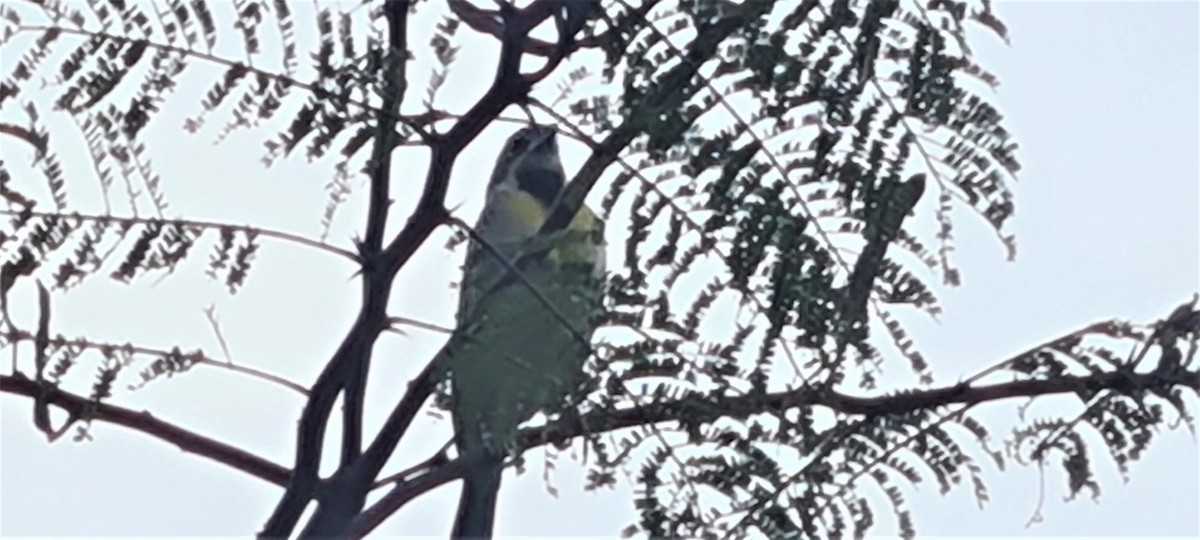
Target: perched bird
{"type": "Point", "coordinates": [515, 351]}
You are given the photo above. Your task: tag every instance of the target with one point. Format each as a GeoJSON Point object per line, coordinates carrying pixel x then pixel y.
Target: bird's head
{"type": "Point", "coordinates": [530, 162]}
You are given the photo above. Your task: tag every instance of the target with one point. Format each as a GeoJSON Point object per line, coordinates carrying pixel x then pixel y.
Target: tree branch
{"type": "Point", "coordinates": [216, 60]}
{"type": "Point", "coordinates": [399, 495]}
{"type": "Point", "coordinates": [347, 369]}
{"type": "Point", "coordinates": [39, 142]}
{"type": "Point", "coordinates": [487, 21]}
{"type": "Point", "coordinates": [395, 86]}
{"type": "Point", "coordinates": [82, 407]}
{"type": "Point", "coordinates": [672, 87]}
{"type": "Point", "coordinates": [196, 357]}
{"type": "Point", "coordinates": [245, 229]}
{"type": "Point", "coordinates": [507, 88]}
{"type": "Point", "coordinates": [703, 409]}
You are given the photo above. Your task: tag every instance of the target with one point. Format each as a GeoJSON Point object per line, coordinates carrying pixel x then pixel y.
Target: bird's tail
{"type": "Point", "coordinates": [477, 504]}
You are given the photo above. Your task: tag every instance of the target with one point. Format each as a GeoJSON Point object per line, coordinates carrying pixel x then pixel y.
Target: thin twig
{"type": "Point", "coordinates": [198, 356]}
{"type": "Point", "coordinates": [210, 313]}
{"type": "Point", "coordinates": [408, 321]}
{"type": "Point", "coordinates": [221, 61]}
{"type": "Point", "coordinates": [279, 235]}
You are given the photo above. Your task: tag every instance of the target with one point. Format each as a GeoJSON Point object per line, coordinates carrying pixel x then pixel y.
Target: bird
{"type": "Point", "coordinates": [529, 304]}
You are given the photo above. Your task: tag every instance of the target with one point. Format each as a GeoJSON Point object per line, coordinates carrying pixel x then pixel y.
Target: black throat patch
{"type": "Point", "coordinates": [542, 184]}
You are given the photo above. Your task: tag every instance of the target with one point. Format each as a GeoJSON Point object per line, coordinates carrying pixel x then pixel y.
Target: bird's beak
{"type": "Point", "coordinates": [548, 140]}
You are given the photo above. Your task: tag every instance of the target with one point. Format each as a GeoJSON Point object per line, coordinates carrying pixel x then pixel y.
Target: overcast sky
{"type": "Point", "coordinates": [1102, 96]}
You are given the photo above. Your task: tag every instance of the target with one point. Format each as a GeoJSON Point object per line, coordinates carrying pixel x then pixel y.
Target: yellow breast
{"type": "Point", "coordinates": [580, 243]}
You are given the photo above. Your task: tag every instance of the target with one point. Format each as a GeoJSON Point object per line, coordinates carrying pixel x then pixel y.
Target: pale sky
{"type": "Point", "coordinates": [1103, 98]}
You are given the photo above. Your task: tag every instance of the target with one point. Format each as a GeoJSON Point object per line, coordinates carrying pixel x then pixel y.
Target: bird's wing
{"type": "Point", "coordinates": [508, 219]}
{"type": "Point", "coordinates": [517, 352]}
{"type": "Point", "coordinates": [518, 344]}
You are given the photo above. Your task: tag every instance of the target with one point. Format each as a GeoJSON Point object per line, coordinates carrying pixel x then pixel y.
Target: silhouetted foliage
{"type": "Point", "coordinates": [757, 163]}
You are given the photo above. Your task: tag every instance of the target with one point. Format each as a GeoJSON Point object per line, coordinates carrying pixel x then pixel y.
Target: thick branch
{"type": "Point", "coordinates": [348, 368]}
{"type": "Point", "coordinates": [399, 495]}
{"type": "Point", "coordinates": [82, 407]}
{"type": "Point", "coordinates": [698, 409]}
{"type": "Point", "coordinates": [396, 424]}
{"type": "Point", "coordinates": [507, 88]}
{"type": "Point", "coordinates": [702, 409]}
{"type": "Point", "coordinates": [395, 85]}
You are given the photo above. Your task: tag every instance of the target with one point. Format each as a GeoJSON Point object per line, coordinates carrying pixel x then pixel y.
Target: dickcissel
{"type": "Point", "coordinates": [529, 305]}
